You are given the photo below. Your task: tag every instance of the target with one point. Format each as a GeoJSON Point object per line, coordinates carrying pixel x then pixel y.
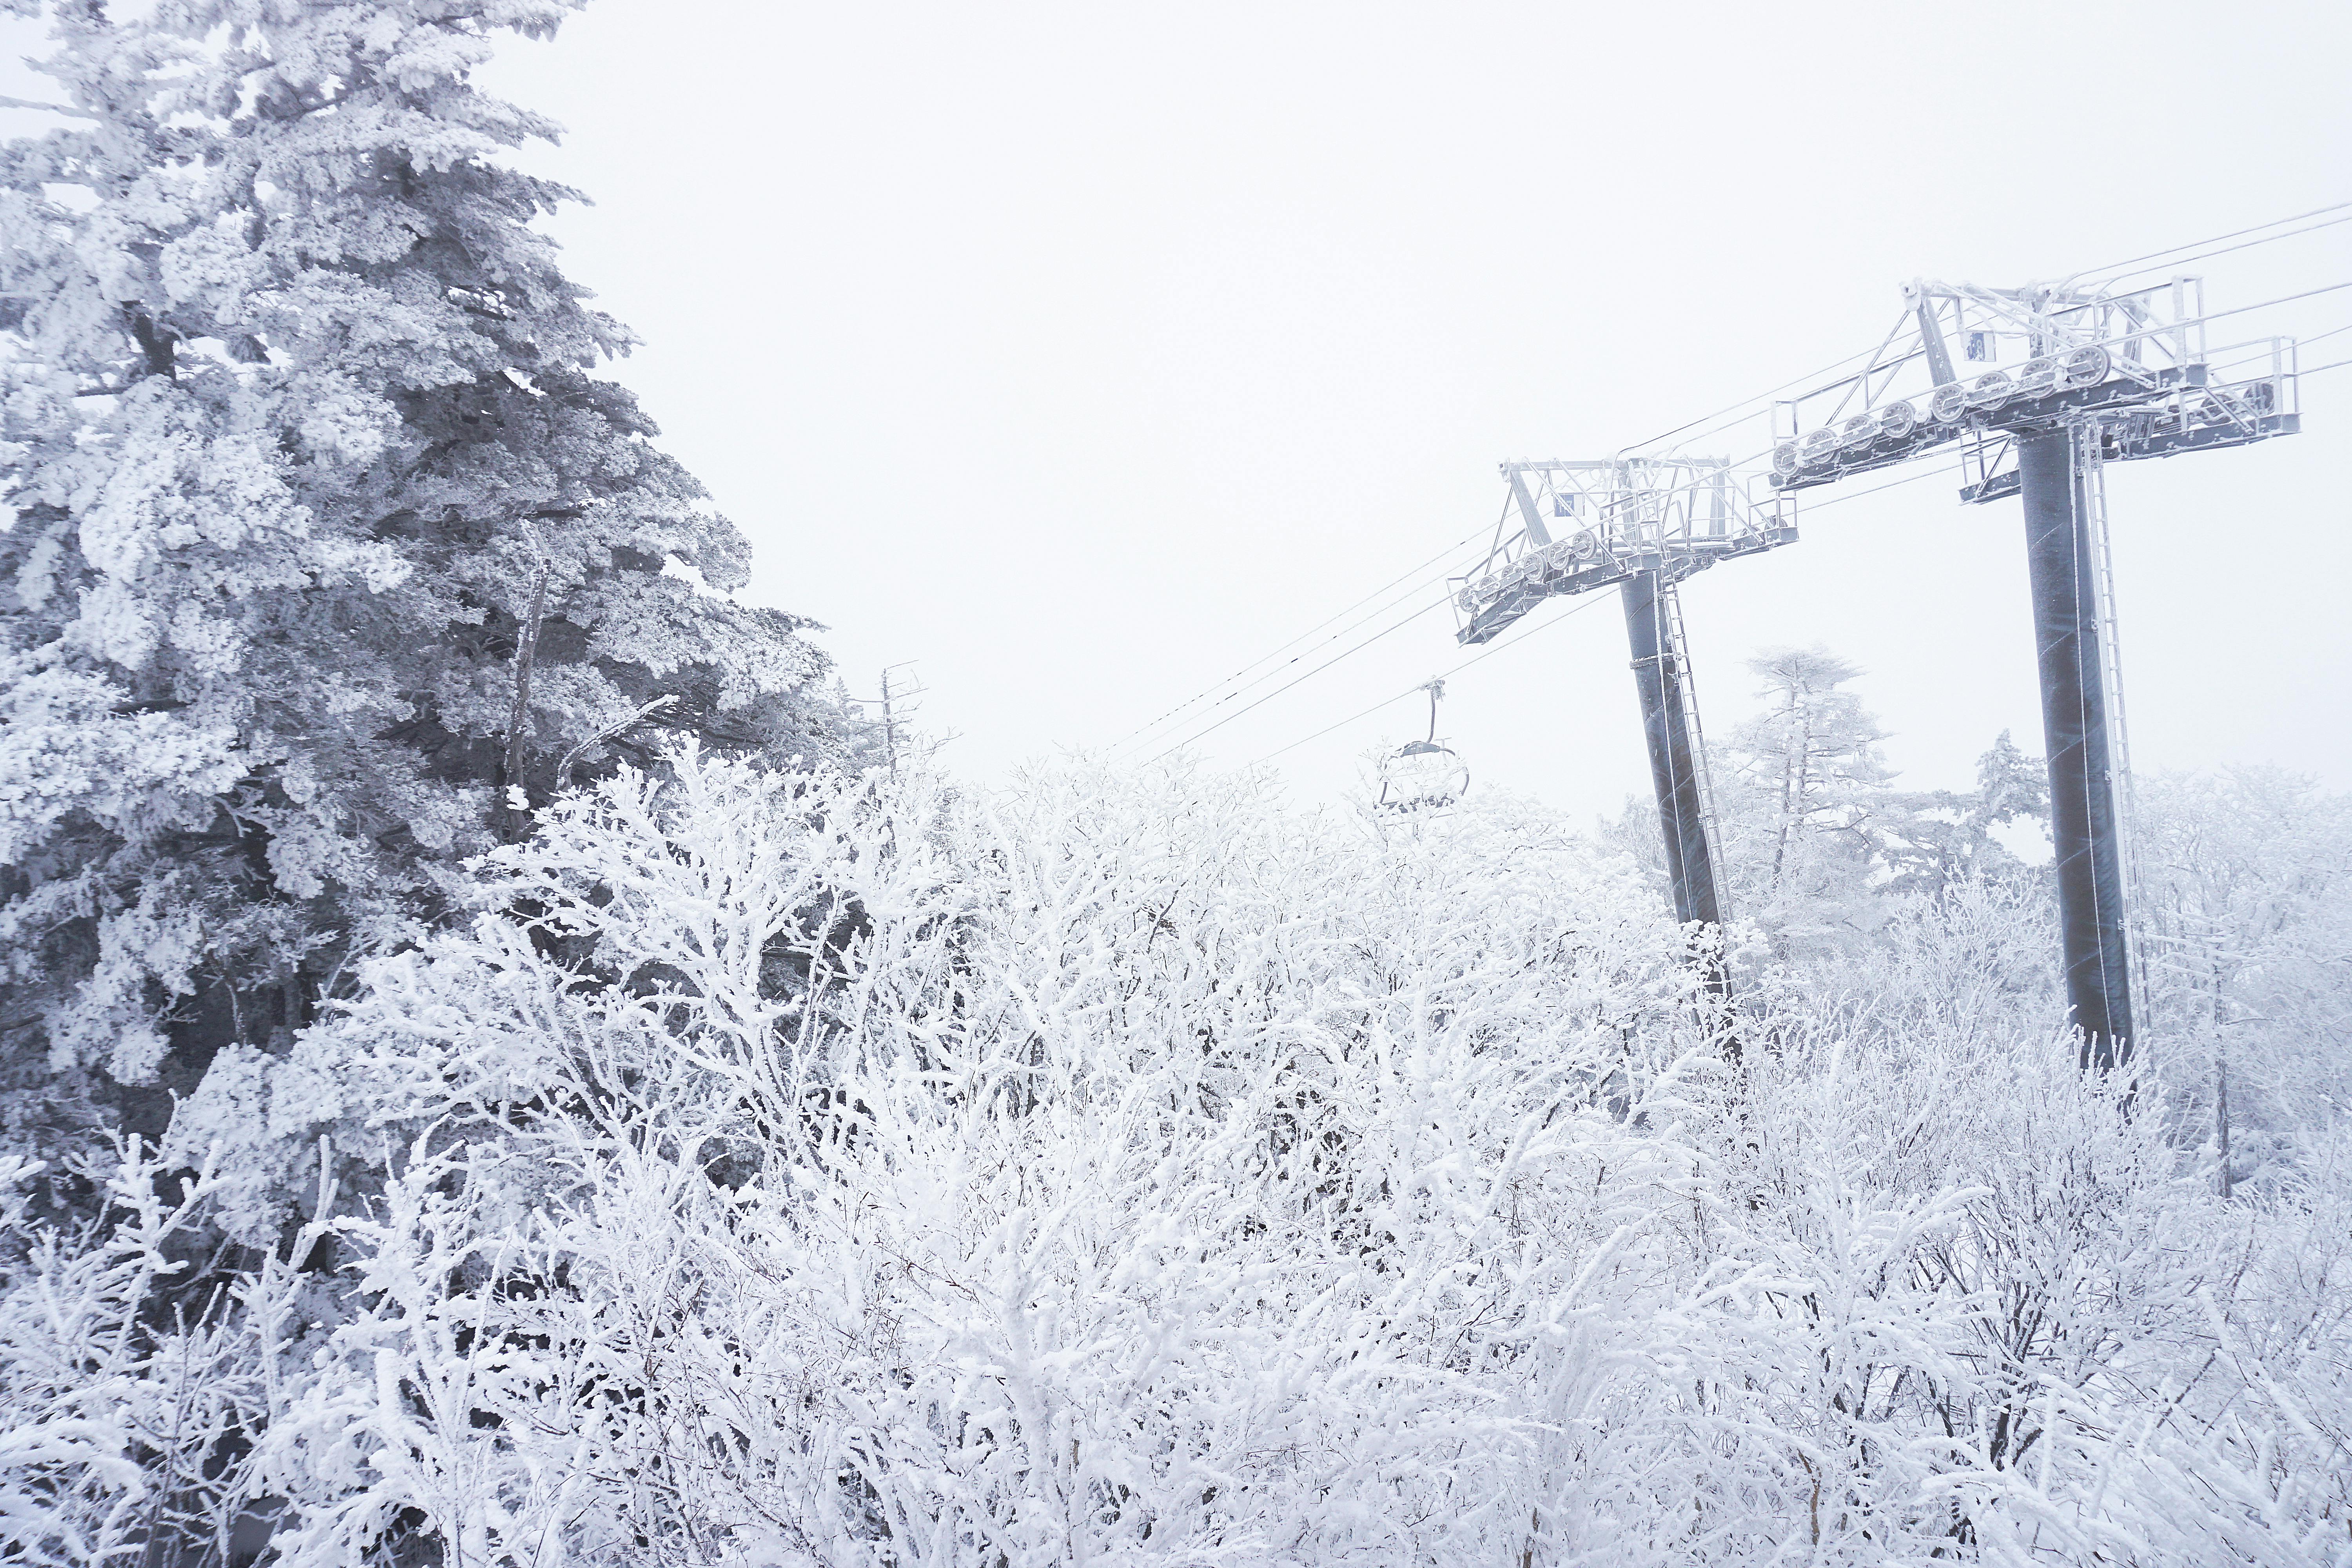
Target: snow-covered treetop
{"type": "Point", "coordinates": [320, 531]}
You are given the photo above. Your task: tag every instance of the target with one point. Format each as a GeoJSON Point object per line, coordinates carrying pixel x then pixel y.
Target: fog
{"type": "Point", "coordinates": [1086, 354]}
{"type": "Point", "coordinates": [1083, 355]}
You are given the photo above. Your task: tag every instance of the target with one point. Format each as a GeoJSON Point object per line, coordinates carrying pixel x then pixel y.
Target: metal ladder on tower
{"type": "Point", "coordinates": [1677, 650]}
{"type": "Point", "coordinates": [2093, 479]}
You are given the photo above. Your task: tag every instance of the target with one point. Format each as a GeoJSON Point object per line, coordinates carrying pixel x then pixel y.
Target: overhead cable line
{"type": "Point", "coordinates": [2224, 250]}
{"type": "Point", "coordinates": [1310, 631]}
{"type": "Point", "coordinates": [1302, 636]}
{"type": "Point", "coordinates": [2113, 268]}
{"type": "Point", "coordinates": [1265, 676]}
{"type": "Point", "coordinates": [1947, 470]}
{"type": "Point", "coordinates": [1423, 686]}
{"type": "Point", "coordinates": [2300, 343]}
{"type": "Point", "coordinates": [1944, 469]}
{"type": "Point", "coordinates": [2117, 267]}
{"type": "Point", "coordinates": [1198, 736]}
{"type": "Point", "coordinates": [2238, 311]}
{"type": "Point", "coordinates": [1755, 397]}
{"type": "Point", "coordinates": [1679, 430]}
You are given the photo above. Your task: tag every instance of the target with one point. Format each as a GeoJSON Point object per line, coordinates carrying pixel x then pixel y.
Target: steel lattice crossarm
{"type": "Point", "coordinates": [2134, 367]}
{"type": "Point", "coordinates": [1585, 525]}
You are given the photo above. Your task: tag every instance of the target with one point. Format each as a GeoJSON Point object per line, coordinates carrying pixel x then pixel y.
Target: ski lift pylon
{"type": "Point", "coordinates": [1426, 774]}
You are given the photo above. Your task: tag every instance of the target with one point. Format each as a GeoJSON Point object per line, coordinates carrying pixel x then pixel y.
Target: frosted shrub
{"type": "Point", "coordinates": [2101, 1399]}
{"type": "Point", "coordinates": [134, 1368]}
{"type": "Point", "coordinates": [2245, 874]}
{"type": "Point", "coordinates": [806, 1169]}
{"type": "Point", "coordinates": [783, 1172]}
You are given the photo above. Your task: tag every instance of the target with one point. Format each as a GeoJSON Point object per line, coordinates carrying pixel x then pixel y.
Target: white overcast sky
{"type": "Point", "coordinates": [1086, 352]}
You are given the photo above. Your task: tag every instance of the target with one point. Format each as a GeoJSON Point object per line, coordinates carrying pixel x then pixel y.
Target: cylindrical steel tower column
{"type": "Point", "coordinates": [2083, 824]}
{"type": "Point", "coordinates": [1674, 769]}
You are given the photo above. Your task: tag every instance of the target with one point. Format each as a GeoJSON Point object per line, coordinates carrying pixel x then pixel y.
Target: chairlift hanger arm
{"type": "Point", "coordinates": [1931, 336]}
{"type": "Point", "coordinates": [1529, 512]}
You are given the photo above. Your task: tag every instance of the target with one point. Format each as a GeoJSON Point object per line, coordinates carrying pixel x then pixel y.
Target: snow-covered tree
{"type": "Point", "coordinates": [2243, 916]}
{"type": "Point", "coordinates": [1817, 847]}
{"type": "Point", "coordinates": [1140, 1164]}
{"type": "Point", "coordinates": [1113, 1167]}
{"type": "Point", "coordinates": [1933, 841]}
{"type": "Point", "coordinates": [320, 538]}
{"type": "Point", "coordinates": [1801, 787]}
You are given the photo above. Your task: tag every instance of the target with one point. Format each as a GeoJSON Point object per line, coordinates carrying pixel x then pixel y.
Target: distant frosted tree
{"type": "Point", "coordinates": [1933, 841]}
{"type": "Point", "coordinates": [2245, 928]}
{"type": "Point", "coordinates": [321, 540]}
{"type": "Point", "coordinates": [1817, 845]}
{"type": "Point", "coordinates": [1802, 794]}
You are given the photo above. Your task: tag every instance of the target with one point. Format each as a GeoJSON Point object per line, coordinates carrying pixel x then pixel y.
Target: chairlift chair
{"type": "Point", "coordinates": [1423, 775]}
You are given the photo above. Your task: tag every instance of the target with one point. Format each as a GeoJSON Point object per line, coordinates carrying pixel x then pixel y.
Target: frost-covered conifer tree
{"type": "Point", "coordinates": [321, 536]}
{"type": "Point", "coordinates": [1803, 799]}
{"type": "Point", "coordinates": [1934, 841]}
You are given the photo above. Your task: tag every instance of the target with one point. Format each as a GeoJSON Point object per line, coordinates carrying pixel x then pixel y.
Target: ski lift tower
{"type": "Point", "coordinates": [1643, 524]}
{"type": "Point", "coordinates": [2095, 377]}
